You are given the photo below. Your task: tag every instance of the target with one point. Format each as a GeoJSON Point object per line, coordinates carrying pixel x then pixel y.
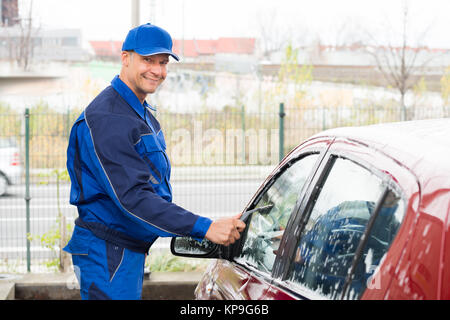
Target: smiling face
{"type": "Point", "coordinates": [143, 74]}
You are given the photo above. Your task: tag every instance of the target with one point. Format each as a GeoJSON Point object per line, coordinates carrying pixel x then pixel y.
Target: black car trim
{"type": "Point", "coordinates": [236, 248]}
{"type": "Point", "coordinates": [284, 244]}
{"type": "Point", "coordinates": [312, 194]}
{"type": "Point", "coordinates": [314, 190]}
{"type": "Point", "coordinates": [363, 242]}
{"type": "Point", "coordinates": [303, 213]}
{"type": "Point", "coordinates": [272, 181]}
{"type": "Point", "coordinates": [299, 292]}
{"type": "Point", "coordinates": [305, 194]}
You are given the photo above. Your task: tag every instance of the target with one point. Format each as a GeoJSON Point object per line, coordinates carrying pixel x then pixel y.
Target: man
{"type": "Point", "coordinates": [120, 175]}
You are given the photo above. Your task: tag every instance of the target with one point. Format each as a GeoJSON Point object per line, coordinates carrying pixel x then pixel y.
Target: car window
{"type": "Point", "coordinates": [266, 227]}
{"type": "Point", "coordinates": [338, 219]}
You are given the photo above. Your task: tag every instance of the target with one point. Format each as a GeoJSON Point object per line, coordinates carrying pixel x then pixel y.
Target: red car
{"type": "Point", "coordinates": [351, 213]}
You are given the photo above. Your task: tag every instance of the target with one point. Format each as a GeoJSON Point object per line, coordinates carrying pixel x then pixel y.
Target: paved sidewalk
{"type": "Point", "coordinates": [63, 286]}
{"type": "Point", "coordinates": [7, 291]}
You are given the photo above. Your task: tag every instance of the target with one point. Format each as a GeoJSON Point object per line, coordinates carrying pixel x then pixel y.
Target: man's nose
{"type": "Point", "coordinates": [156, 69]}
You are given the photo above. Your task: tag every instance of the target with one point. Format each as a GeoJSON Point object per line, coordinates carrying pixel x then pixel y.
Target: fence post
{"type": "Point", "coordinates": [243, 133]}
{"type": "Point", "coordinates": [281, 133]}
{"type": "Point", "coordinates": [27, 184]}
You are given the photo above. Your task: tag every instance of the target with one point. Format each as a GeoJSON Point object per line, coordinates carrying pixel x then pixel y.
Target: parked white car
{"type": "Point", "coordinates": [10, 164]}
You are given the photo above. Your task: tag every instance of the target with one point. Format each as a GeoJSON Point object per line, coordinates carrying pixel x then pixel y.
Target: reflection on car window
{"type": "Point", "coordinates": [267, 226]}
{"type": "Point", "coordinates": [338, 220]}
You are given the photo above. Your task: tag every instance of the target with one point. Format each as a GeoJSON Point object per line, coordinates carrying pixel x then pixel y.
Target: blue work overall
{"type": "Point", "coordinates": [120, 174]}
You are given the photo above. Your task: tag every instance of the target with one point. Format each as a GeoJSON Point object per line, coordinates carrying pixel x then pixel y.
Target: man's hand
{"type": "Point", "coordinates": [226, 230]}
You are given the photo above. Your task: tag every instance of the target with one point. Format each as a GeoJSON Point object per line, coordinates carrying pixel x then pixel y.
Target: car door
{"type": "Point", "coordinates": [349, 221]}
{"type": "Point", "coordinates": [249, 274]}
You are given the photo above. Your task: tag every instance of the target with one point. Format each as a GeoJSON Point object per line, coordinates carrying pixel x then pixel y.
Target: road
{"type": "Point", "coordinates": [208, 198]}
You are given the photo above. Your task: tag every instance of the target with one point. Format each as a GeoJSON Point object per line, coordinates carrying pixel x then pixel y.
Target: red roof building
{"type": "Point", "coordinates": [191, 49]}
{"type": "Point", "coordinates": [236, 45]}
{"type": "Point", "coordinates": [107, 50]}
{"type": "Point", "coordinates": [195, 48]}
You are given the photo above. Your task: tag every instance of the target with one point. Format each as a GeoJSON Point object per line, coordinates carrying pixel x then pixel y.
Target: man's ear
{"type": "Point", "coordinates": [126, 58]}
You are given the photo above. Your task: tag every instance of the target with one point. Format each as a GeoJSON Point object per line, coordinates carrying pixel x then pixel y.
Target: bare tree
{"type": "Point", "coordinates": [273, 34]}
{"type": "Point", "coordinates": [346, 33]}
{"type": "Point", "coordinates": [399, 62]}
{"type": "Point", "coordinates": [26, 41]}
{"type": "Point", "coordinates": [21, 40]}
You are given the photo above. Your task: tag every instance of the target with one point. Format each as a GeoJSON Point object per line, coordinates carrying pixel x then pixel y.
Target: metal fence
{"type": "Point", "coordinates": [219, 160]}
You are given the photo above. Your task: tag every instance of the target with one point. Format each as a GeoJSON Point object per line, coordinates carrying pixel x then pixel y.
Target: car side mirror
{"type": "Point", "coordinates": [189, 247]}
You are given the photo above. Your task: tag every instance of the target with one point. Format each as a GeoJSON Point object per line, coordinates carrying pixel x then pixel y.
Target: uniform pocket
{"type": "Point", "coordinates": [161, 140]}
{"type": "Point", "coordinates": [114, 257]}
{"type": "Point", "coordinates": [80, 242]}
{"type": "Point", "coordinates": [152, 153]}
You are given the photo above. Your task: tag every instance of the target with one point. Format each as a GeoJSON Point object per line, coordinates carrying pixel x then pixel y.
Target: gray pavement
{"type": "Point", "coordinates": [7, 291]}
{"type": "Point", "coordinates": [63, 286]}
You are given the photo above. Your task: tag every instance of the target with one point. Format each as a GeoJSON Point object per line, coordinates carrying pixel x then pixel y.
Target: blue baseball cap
{"type": "Point", "coordinates": [147, 40]}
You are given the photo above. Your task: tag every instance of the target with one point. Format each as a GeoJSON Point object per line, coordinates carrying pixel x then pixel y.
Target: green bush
{"type": "Point", "coordinates": [164, 261]}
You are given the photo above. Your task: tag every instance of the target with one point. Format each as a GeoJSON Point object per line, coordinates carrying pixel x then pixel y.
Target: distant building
{"type": "Point", "coordinates": [106, 50]}
{"type": "Point", "coordinates": [9, 12]}
{"type": "Point", "coordinates": [61, 45]}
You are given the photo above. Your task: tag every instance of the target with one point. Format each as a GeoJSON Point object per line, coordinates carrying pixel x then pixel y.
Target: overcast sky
{"type": "Point", "coordinates": [210, 19]}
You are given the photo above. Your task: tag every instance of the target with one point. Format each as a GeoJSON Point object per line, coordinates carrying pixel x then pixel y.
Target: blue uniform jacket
{"type": "Point", "coordinates": [120, 171]}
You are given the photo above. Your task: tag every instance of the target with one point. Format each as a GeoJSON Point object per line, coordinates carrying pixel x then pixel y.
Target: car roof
{"type": "Point", "coordinates": [423, 146]}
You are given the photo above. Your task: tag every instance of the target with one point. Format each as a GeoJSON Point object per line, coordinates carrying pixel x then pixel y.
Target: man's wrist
{"type": "Point", "coordinates": [200, 228]}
